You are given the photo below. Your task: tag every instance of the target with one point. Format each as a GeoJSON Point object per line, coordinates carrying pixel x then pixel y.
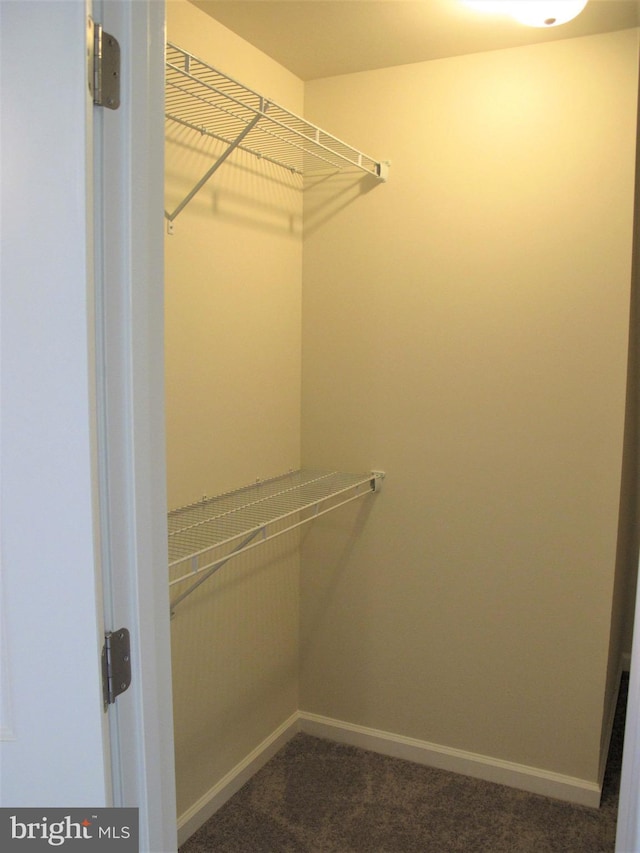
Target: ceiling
{"type": "Point", "coordinates": [323, 38]}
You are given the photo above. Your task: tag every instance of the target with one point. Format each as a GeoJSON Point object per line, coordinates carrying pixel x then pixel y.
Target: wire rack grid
{"type": "Point", "coordinates": [207, 100]}
{"type": "Point", "coordinates": [204, 535]}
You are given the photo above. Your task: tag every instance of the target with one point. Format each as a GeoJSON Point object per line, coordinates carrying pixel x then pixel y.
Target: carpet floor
{"type": "Point", "coordinates": [316, 796]}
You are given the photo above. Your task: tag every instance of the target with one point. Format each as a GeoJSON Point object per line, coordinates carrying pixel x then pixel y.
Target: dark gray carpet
{"type": "Point", "coordinates": [315, 796]}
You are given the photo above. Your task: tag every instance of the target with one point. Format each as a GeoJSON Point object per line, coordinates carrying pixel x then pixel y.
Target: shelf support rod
{"type": "Point", "coordinates": [212, 570]}
{"type": "Point", "coordinates": [216, 165]}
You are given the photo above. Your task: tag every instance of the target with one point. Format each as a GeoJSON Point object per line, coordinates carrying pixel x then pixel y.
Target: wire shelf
{"type": "Point", "coordinates": [210, 102]}
{"type": "Point", "coordinates": [205, 535]}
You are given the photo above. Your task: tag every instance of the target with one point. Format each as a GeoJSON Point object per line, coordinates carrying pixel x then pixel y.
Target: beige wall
{"type": "Point", "coordinates": [233, 272]}
{"type": "Point", "coordinates": [233, 268]}
{"type": "Point", "coordinates": [475, 310]}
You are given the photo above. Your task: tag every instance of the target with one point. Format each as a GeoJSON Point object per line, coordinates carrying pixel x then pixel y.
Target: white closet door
{"type": "Point", "coordinates": [54, 749]}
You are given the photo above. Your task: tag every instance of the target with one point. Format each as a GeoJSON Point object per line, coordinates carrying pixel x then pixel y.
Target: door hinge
{"type": "Point", "coordinates": [103, 66]}
{"type": "Point", "coordinates": [116, 665]}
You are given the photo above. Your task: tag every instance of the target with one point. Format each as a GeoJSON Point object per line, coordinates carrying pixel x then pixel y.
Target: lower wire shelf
{"type": "Point", "coordinates": [205, 535]}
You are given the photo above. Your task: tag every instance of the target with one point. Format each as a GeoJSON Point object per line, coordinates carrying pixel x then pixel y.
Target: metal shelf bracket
{"type": "Point", "coordinates": [232, 147]}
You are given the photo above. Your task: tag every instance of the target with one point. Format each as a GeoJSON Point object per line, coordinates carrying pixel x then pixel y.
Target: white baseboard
{"type": "Point", "coordinates": [519, 776]}
{"type": "Point", "coordinates": [489, 769]}
{"type": "Point", "coordinates": [193, 818]}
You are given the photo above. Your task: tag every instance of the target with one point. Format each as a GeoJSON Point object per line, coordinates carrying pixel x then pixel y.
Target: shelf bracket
{"type": "Point", "coordinates": [214, 168]}
{"type": "Point", "coordinates": [383, 170]}
{"type": "Point", "coordinates": [376, 481]}
{"type": "Point", "coordinates": [210, 571]}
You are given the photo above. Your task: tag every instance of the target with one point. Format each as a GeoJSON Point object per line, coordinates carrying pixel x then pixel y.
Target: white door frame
{"type": "Point", "coordinates": [131, 385]}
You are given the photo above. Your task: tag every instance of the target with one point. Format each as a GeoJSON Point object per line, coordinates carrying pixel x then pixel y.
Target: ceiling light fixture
{"type": "Point", "coordinates": [532, 13]}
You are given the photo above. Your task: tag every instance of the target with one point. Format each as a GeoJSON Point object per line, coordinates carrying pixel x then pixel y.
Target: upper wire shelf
{"type": "Point", "coordinates": [210, 102]}
{"type": "Point", "coordinates": [205, 535]}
